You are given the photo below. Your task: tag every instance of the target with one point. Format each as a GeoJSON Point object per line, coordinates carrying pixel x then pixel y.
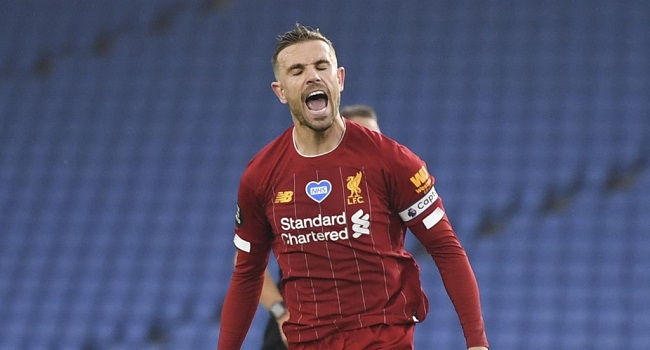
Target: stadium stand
{"type": "Point", "coordinates": [125, 125]}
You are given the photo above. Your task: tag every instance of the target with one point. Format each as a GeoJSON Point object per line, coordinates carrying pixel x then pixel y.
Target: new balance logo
{"type": "Point", "coordinates": [284, 197]}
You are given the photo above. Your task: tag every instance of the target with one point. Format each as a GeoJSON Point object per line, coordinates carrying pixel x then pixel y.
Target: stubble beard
{"type": "Point", "coordinates": [297, 112]}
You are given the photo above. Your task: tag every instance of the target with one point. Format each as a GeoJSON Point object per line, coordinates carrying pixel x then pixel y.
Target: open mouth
{"type": "Point", "coordinates": [317, 101]}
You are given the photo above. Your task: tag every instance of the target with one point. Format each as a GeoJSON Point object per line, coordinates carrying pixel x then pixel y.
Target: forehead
{"type": "Point", "coordinates": [306, 52]}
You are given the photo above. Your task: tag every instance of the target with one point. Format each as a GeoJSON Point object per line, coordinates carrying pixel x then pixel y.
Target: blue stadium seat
{"type": "Point", "coordinates": [124, 129]}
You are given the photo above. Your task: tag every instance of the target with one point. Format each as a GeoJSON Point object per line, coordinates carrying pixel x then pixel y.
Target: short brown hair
{"type": "Point", "coordinates": [358, 111]}
{"type": "Point", "coordinates": [298, 34]}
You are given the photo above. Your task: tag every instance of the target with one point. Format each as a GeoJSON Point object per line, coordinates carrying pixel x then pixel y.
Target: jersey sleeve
{"type": "Point", "coordinates": [412, 190]}
{"type": "Point", "coordinates": [252, 230]}
{"type": "Point", "coordinates": [420, 207]}
{"type": "Point", "coordinates": [253, 244]}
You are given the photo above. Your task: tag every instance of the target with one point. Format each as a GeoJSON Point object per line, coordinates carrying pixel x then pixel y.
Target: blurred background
{"type": "Point", "coordinates": [125, 125]}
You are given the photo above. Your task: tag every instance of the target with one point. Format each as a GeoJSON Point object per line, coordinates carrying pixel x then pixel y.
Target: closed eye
{"type": "Point", "coordinates": [322, 65]}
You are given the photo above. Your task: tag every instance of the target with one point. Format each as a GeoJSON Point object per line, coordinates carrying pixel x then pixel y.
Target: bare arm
{"type": "Point", "coordinates": [271, 295]}
{"type": "Point", "coordinates": [270, 291]}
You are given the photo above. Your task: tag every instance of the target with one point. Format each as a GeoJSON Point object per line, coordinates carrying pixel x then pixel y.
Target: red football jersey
{"type": "Point", "coordinates": [336, 223]}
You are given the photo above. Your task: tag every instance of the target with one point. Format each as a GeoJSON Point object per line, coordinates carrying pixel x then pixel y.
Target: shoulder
{"type": "Point", "coordinates": [264, 161]}
{"type": "Point", "coordinates": [363, 138]}
{"type": "Point", "coordinates": [254, 181]}
{"type": "Point", "coordinates": [379, 144]}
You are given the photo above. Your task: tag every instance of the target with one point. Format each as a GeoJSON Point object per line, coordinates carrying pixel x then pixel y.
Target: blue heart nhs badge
{"type": "Point", "coordinates": [318, 191]}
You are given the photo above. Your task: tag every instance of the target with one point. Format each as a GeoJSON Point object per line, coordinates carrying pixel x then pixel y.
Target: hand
{"type": "Point", "coordinates": [478, 348]}
{"type": "Point", "coordinates": [281, 320]}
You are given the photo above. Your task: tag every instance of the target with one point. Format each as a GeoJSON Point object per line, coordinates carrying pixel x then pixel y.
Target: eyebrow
{"type": "Point", "coordinates": [302, 65]}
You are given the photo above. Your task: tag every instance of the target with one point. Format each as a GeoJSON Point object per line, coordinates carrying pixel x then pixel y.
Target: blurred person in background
{"type": "Point", "coordinates": [362, 115]}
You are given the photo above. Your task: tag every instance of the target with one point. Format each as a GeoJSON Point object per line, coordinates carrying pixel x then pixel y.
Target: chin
{"type": "Point", "coordinates": [320, 125]}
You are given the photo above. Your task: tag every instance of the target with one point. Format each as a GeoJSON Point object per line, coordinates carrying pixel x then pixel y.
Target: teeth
{"type": "Point", "coordinates": [316, 93]}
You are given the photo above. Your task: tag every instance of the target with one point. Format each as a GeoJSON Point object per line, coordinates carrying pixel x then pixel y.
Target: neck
{"type": "Point", "coordinates": [309, 142]}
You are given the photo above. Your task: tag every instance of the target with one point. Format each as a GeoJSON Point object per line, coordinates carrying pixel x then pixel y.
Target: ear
{"type": "Point", "coordinates": [279, 91]}
{"type": "Point", "coordinates": [341, 76]}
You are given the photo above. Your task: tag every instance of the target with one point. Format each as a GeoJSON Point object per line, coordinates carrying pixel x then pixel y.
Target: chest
{"type": "Point", "coordinates": [326, 199]}
{"type": "Point", "coordinates": [326, 190]}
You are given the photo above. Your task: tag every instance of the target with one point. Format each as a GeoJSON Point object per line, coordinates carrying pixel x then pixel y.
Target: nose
{"type": "Point", "coordinates": [313, 75]}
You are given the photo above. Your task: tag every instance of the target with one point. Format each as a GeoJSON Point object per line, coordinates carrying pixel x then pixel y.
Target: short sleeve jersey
{"type": "Point", "coordinates": [336, 224]}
